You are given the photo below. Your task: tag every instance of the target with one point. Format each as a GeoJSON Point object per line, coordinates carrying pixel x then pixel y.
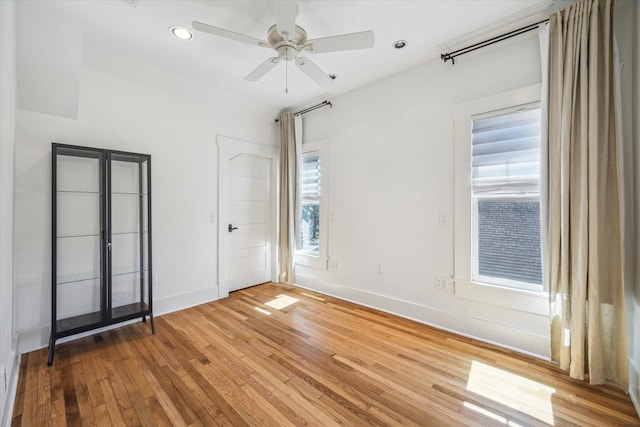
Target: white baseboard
{"type": "Point", "coordinates": [6, 408]}
{"type": "Point", "coordinates": [479, 329]}
{"type": "Point", "coordinates": [35, 339]}
{"type": "Point", "coordinates": [634, 383]}
{"type": "Point", "coordinates": [180, 302]}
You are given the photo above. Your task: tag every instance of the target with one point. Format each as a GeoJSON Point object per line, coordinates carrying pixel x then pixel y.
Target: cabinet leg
{"type": "Point", "coordinates": [144, 319]}
{"type": "Point", "coordinates": [52, 349]}
{"type": "Point", "coordinates": [153, 327]}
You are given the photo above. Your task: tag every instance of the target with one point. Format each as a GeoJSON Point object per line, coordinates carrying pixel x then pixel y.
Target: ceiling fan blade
{"type": "Point", "coordinates": [262, 69]}
{"type": "Point", "coordinates": [313, 71]}
{"type": "Point", "coordinates": [353, 41]}
{"type": "Point", "coordinates": [206, 28]}
{"type": "Point", "coordinates": [286, 12]}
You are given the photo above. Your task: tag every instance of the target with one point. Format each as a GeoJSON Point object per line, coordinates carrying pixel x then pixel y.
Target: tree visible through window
{"type": "Point", "coordinates": [310, 204]}
{"type": "Point", "coordinates": [506, 197]}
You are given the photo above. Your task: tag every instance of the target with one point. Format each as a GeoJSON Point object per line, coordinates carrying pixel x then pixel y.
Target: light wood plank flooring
{"type": "Point", "coordinates": [252, 359]}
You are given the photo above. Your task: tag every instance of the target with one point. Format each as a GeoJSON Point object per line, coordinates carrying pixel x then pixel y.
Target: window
{"type": "Point", "coordinates": [313, 226]}
{"type": "Point", "coordinates": [505, 197]}
{"type": "Point", "coordinates": [310, 204]}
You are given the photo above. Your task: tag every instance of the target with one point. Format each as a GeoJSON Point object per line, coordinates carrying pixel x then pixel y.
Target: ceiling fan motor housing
{"type": "Point", "coordinates": [287, 49]}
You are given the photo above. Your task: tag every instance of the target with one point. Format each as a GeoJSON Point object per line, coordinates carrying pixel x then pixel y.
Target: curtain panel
{"type": "Point", "coordinates": [290, 152]}
{"type": "Point", "coordinates": [585, 271]}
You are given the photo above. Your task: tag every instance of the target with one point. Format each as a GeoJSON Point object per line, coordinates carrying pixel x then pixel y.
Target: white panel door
{"type": "Point", "coordinates": [246, 202]}
{"type": "Point", "coordinates": [248, 228]}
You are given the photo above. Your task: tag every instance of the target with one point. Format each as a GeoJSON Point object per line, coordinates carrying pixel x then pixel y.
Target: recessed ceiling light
{"type": "Point", "coordinates": [399, 44]}
{"type": "Point", "coordinates": [181, 33]}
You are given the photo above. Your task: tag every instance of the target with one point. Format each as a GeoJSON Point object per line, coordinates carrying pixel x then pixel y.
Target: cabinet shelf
{"type": "Point", "coordinates": [76, 322]}
{"type": "Point", "coordinates": [101, 239]}
{"type": "Point", "coordinates": [129, 272]}
{"type": "Point", "coordinates": [129, 310]}
{"type": "Point", "coordinates": [83, 321]}
{"type": "Point", "coordinates": [77, 280]}
{"type": "Point", "coordinates": [71, 236]}
{"type": "Point", "coordinates": [78, 192]}
{"type": "Point", "coordinates": [90, 279]}
{"type": "Point", "coordinates": [127, 232]}
{"type": "Point", "coordinates": [126, 193]}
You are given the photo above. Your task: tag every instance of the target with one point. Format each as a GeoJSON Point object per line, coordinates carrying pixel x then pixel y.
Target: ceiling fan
{"type": "Point", "coordinates": [289, 40]}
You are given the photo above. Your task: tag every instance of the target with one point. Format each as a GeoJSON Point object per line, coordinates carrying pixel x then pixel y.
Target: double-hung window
{"type": "Point", "coordinates": [312, 215]}
{"type": "Point", "coordinates": [310, 185]}
{"type": "Point", "coordinates": [505, 198]}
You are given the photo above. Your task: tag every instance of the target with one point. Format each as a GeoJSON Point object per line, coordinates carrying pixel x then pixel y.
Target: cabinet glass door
{"type": "Point", "coordinates": [129, 235]}
{"type": "Point", "coordinates": [77, 269]}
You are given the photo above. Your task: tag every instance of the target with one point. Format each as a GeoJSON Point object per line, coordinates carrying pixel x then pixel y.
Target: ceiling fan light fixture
{"type": "Point", "coordinates": [400, 44]}
{"type": "Point", "coordinates": [181, 33]}
{"type": "Point", "coordinates": [289, 40]}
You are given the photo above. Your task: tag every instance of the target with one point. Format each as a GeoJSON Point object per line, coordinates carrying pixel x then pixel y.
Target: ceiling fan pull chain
{"type": "Point", "coordinates": [286, 74]}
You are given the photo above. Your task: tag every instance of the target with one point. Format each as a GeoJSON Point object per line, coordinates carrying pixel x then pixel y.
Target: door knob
{"type": "Point", "coordinates": [231, 228]}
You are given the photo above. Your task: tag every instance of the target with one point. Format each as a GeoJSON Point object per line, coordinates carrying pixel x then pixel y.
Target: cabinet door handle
{"type": "Point", "coordinates": [231, 228]}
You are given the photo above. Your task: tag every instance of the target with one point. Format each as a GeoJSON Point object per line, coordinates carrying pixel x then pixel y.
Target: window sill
{"type": "Point", "coordinates": [516, 299]}
{"type": "Point", "coordinates": [311, 261]}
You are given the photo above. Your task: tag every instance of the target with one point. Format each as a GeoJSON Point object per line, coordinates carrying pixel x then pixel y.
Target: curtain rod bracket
{"type": "Point", "coordinates": [446, 57]}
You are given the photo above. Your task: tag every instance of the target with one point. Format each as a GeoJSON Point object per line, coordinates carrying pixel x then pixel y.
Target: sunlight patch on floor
{"type": "Point", "coordinates": [492, 415]}
{"type": "Point", "coordinates": [281, 301]}
{"type": "Point", "coordinates": [514, 391]}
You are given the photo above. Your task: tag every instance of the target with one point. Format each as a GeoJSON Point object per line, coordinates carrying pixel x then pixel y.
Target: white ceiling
{"type": "Point", "coordinates": [140, 29]}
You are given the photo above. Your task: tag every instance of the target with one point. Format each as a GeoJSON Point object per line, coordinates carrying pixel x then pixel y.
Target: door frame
{"type": "Point", "coordinates": [228, 148]}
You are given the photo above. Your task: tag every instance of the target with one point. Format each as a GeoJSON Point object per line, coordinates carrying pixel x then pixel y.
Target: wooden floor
{"type": "Point", "coordinates": [252, 359]}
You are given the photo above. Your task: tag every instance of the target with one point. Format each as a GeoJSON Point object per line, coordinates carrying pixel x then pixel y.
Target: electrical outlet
{"type": "Point", "coordinates": [442, 218]}
{"type": "Point", "coordinates": [333, 264]}
{"type": "Point", "coordinates": [443, 284]}
{"type": "Point", "coordinates": [379, 269]}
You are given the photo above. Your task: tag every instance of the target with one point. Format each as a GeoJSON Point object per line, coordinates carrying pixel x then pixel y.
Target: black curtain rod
{"type": "Point", "coordinates": [451, 55]}
{"type": "Point", "coordinates": [313, 107]}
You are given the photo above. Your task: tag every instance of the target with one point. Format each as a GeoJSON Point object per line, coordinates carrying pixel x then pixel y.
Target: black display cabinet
{"type": "Point", "coordinates": [101, 240]}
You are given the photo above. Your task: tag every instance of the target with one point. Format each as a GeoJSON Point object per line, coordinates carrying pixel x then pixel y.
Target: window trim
{"type": "Point", "coordinates": [464, 210]}
{"type": "Point", "coordinates": [302, 257]}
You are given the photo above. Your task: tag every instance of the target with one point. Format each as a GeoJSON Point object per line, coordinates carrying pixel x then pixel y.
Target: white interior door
{"type": "Point", "coordinates": [248, 228]}
{"type": "Point", "coordinates": [246, 214]}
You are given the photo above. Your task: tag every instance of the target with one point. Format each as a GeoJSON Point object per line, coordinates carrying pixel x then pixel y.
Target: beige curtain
{"type": "Point", "coordinates": [290, 147]}
{"type": "Point", "coordinates": [585, 244]}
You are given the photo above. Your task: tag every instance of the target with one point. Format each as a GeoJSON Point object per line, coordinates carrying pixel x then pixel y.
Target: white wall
{"type": "Point", "coordinates": [392, 174]}
{"type": "Point", "coordinates": [179, 131]}
{"type": "Point", "coordinates": [7, 132]}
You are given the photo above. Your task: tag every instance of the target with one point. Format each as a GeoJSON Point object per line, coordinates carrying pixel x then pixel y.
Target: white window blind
{"type": "Point", "coordinates": [310, 178]}
{"type": "Point", "coordinates": [506, 152]}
